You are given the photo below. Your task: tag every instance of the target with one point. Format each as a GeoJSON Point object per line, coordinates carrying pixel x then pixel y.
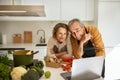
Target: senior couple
{"type": "Point", "coordinates": [75, 39]}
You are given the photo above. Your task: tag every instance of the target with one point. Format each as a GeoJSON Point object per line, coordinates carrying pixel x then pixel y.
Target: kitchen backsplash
{"type": "Point", "coordinates": [9, 28]}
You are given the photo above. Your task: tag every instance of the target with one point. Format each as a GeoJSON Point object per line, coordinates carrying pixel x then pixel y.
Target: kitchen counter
{"type": "Point", "coordinates": [20, 46]}
{"type": "Point", "coordinates": [12, 48]}
{"type": "Point", "coordinates": [24, 46]}
{"type": "Point", "coordinates": [55, 74]}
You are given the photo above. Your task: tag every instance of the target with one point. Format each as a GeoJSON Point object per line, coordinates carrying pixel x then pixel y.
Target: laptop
{"type": "Point", "coordinates": [85, 69]}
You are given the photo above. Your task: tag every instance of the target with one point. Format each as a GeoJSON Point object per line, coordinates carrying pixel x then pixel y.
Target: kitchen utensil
{"type": "Point", "coordinates": [17, 38]}
{"type": "Point", "coordinates": [4, 39]}
{"type": "Point", "coordinates": [27, 36]}
{"type": "Point", "coordinates": [21, 58]}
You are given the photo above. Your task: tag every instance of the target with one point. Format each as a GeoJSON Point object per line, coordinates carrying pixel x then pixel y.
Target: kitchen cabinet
{"type": "Point", "coordinates": [109, 0]}
{"type": "Point", "coordinates": [109, 22]}
{"type": "Point", "coordinates": [82, 9]}
{"type": "Point", "coordinates": [52, 8]}
{"type": "Point", "coordinates": [59, 10]}
{"type": "Point", "coordinates": [32, 2]}
{"type": "Point", "coordinates": [5, 2]}
{"type": "Point", "coordinates": [10, 2]}
{"type": "Point", "coordinates": [42, 49]}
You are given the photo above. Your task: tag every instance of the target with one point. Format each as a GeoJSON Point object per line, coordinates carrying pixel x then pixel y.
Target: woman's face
{"type": "Point", "coordinates": [61, 34]}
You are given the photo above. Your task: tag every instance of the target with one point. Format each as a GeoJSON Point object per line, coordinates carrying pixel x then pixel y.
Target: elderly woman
{"type": "Point", "coordinates": [59, 44]}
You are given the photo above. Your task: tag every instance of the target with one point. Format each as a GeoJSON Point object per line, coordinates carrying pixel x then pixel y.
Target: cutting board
{"type": "Point", "coordinates": [17, 38]}
{"type": "Point", "coordinates": [27, 36]}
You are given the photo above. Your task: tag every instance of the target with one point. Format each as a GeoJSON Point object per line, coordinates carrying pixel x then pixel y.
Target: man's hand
{"type": "Point", "coordinates": [86, 38]}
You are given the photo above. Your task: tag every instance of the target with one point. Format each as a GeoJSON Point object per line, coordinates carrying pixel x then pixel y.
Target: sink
{"type": "Point", "coordinates": [41, 44]}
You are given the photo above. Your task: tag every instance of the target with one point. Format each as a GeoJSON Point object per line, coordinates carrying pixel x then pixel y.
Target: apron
{"type": "Point", "coordinates": [56, 50]}
{"type": "Point", "coordinates": [88, 49]}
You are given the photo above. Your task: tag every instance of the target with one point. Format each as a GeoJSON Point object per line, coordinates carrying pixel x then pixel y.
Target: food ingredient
{"type": "Point", "coordinates": [47, 74]}
{"type": "Point", "coordinates": [67, 63]}
{"type": "Point", "coordinates": [39, 64]}
{"type": "Point", "coordinates": [4, 72]}
{"type": "Point", "coordinates": [39, 70]}
{"type": "Point", "coordinates": [4, 59]}
{"type": "Point", "coordinates": [52, 59]}
{"type": "Point", "coordinates": [18, 72]}
{"type": "Point", "coordinates": [31, 75]}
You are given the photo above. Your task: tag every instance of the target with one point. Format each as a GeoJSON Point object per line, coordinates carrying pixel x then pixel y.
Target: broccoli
{"type": "Point", "coordinates": [31, 75]}
{"type": "Point", "coordinates": [40, 71]}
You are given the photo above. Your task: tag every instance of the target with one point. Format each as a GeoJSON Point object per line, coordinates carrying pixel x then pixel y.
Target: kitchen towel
{"type": "Point", "coordinates": [4, 39]}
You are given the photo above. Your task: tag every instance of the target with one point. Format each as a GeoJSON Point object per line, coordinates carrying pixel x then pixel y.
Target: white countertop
{"type": "Point", "coordinates": [55, 73]}
{"type": "Point", "coordinates": [19, 45]}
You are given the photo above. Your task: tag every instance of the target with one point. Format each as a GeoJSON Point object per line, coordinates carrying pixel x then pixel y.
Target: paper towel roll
{"type": "Point", "coordinates": [4, 39]}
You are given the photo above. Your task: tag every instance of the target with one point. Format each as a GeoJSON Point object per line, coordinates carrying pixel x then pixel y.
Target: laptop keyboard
{"type": "Point", "coordinates": [66, 75]}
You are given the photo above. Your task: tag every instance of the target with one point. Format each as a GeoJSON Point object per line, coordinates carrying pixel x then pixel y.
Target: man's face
{"type": "Point", "coordinates": [61, 35]}
{"type": "Point", "coordinates": [76, 30]}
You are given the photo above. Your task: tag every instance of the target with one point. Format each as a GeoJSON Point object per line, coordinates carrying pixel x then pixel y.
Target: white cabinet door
{"type": "Point", "coordinates": [109, 22]}
{"type": "Point", "coordinates": [32, 2]}
{"type": "Point", "coordinates": [82, 9]}
{"type": "Point", "coordinates": [5, 2]}
{"type": "Point", "coordinates": [72, 9]}
{"type": "Point", "coordinates": [52, 9]}
{"type": "Point", "coordinates": [42, 52]}
{"type": "Point", "coordinates": [90, 4]}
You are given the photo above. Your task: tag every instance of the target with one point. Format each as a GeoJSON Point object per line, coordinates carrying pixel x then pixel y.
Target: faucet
{"type": "Point", "coordinates": [43, 40]}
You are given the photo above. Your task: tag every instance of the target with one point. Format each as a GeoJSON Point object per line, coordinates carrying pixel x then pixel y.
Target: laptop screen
{"type": "Point", "coordinates": [87, 68]}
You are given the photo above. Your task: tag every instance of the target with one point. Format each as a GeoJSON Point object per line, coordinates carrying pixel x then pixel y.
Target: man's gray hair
{"type": "Point", "coordinates": [75, 20]}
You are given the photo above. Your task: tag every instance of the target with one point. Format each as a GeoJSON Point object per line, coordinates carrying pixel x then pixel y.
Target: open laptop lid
{"type": "Point", "coordinates": [87, 68]}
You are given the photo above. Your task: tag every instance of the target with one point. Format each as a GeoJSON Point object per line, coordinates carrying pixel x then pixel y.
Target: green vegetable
{"type": "Point", "coordinates": [40, 71]}
{"type": "Point", "coordinates": [4, 59]}
{"type": "Point", "coordinates": [9, 52]}
{"type": "Point", "coordinates": [4, 72]}
{"type": "Point", "coordinates": [47, 74]}
{"type": "Point", "coordinates": [31, 75]}
{"type": "Point", "coordinates": [39, 64]}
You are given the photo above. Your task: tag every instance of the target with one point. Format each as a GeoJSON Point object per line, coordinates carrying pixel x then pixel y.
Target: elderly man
{"type": "Point", "coordinates": [86, 41]}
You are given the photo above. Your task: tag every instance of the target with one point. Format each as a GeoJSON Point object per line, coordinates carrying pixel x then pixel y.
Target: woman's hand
{"type": "Point", "coordinates": [52, 51]}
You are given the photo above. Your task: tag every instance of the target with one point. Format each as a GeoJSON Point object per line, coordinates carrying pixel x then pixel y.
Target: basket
{"type": "Point", "coordinates": [52, 64]}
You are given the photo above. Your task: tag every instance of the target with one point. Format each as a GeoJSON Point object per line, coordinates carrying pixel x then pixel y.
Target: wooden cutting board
{"type": "Point", "coordinates": [27, 36]}
{"type": "Point", "coordinates": [17, 38]}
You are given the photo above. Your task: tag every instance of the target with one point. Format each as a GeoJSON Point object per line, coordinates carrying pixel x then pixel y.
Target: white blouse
{"type": "Point", "coordinates": [53, 42]}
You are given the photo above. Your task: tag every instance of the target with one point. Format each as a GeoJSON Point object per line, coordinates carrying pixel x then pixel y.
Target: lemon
{"type": "Point", "coordinates": [47, 74]}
